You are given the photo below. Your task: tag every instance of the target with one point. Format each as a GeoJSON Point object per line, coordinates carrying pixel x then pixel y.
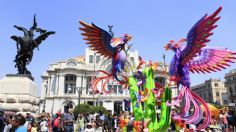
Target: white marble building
{"type": "Point", "coordinates": [59, 81]}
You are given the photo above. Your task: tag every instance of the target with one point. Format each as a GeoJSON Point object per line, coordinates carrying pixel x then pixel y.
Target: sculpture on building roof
{"type": "Point", "coordinates": [108, 46]}
{"type": "Point", "coordinates": [195, 57]}
{"type": "Point", "coordinates": [26, 44]}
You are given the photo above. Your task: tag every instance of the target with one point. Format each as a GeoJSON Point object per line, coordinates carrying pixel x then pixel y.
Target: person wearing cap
{"type": "Point", "coordinates": [69, 121]}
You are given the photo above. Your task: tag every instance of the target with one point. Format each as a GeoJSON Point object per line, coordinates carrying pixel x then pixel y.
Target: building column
{"type": "Point", "coordinates": [57, 85]}
{"type": "Point", "coordinates": [53, 85]}
{"type": "Point", "coordinates": [49, 86]}
{"type": "Point", "coordinates": [78, 83]}
{"type": "Point", "coordinates": [61, 85]}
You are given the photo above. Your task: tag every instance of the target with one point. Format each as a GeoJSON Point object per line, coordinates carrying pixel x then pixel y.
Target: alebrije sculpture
{"type": "Point", "coordinates": [195, 57]}
{"type": "Point", "coordinates": [108, 46]}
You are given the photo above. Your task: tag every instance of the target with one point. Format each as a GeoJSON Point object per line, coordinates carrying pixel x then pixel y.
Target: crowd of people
{"type": "Point", "coordinates": [95, 122]}
{"type": "Point", "coordinates": [225, 121]}
{"type": "Point", "coordinates": [59, 122]}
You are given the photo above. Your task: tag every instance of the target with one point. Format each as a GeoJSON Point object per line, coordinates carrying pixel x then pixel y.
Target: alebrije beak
{"type": "Point", "coordinates": [167, 47]}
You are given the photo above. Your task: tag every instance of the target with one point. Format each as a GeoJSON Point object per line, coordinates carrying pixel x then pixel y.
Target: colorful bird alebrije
{"type": "Point", "coordinates": [106, 45]}
{"type": "Point", "coordinates": [195, 57]}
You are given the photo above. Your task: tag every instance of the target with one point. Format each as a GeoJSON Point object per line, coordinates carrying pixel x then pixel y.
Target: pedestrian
{"type": "Point", "coordinates": [49, 122]}
{"type": "Point", "coordinates": [34, 127]}
{"type": "Point", "coordinates": [115, 122]}
{"type": "Point", "coordinates": [18, 123]}
{"type": "Point", "coordinates": [8, 125]}
{"type": "Point", "coordinates": [56, 122]}
{"type": "Point", "coordinates": [80, 123]}
{"type": "Point", "coordinates": [231, 120]}
{"type": "Point", "coordinates": [224, 121]}
{"type": "Point", "coordinates": [44, 124]}
{"type": "Point", "coordinates": [130, 124]}
{"type": "Point", "coordinates": [99, 124]}
{"type": "Point", "coordinates": [2, 125]}
{"type": "Point", "coordinates": [69, 121]}
{"type": "Point", "coordinates": [109, 122]}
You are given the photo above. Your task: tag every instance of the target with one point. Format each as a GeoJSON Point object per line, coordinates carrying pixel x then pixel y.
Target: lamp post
{"type": "Point", "coordinates": [79, 90]}
{"type": "Point", "coordinates": [44, 102]}
{"type": "Point", "coordinates": [94, 61]}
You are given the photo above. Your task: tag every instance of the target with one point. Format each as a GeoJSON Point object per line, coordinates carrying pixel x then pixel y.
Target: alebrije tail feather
{"type": "Point", "coordinates": [104, 81]}
{"type": "Point", "coordinates": [96, 81]}
{"type": "Point", "coordinates": [195, 116]}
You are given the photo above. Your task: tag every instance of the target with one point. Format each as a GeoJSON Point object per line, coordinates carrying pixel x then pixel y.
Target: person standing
{"type": "Point", "coordinates": [34, 127]}
{"type": "Point", "coordinates": [18, 123]}
{"type": "Point", "coordinates": [224, 121]}
{"type": "Point", "coordinates": [8, 125]}
{"type": "Point", "coordinates": [44, 124]}
{"type": "Point", "coordinates": [231, 120]}
{"type": "Point", "coordinates": [2, 125]}
{"type": "Point", "coordinates": [69, 121]}
{"type": "Point", "coordinates": [56, 122]}
{"type": "Point", "coordinates": [115, 122]}
{"type": "Point", "coordinates": [80, 123]}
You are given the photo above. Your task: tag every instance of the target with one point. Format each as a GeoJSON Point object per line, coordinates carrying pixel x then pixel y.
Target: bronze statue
{"type": "Point", "coordinates": [26, 44]}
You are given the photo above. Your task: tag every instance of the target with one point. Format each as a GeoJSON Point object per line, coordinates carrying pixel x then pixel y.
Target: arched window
{"type": "Point", "coordinates": [97, 58]}
{"type": "Point", "coordinates": [71, 64]}
{"type": "Point", "coordinates": [90, 58]}
{"type": "Point", "coordinates": [132, 59]}
{"type": "Point", "coordinates": [70, 84]}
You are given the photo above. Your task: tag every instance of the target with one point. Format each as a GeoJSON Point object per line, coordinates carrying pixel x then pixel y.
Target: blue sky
{"type": "Point", "coordinates": [152, 23]}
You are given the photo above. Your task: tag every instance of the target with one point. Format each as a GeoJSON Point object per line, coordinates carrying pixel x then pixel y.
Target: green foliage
{"type": "Point", "coordinates": [82, 108]}
{"type": "Point", "coordinates": [85, 108]}
{"type": "Point", "coordinates": [98, 109]}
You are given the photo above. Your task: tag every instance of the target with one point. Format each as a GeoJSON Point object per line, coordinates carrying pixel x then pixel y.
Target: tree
{"type": "Point", "coordinates": [85, 108]}
{"type": "Point", "coordinates": [81, 109]}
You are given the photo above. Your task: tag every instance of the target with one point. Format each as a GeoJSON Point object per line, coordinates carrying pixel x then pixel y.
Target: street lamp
{"type": "Point", "coordinates": [44, 102]}
{"type": "Point", "coordinates": [79, 90]}
{"type": "Point", "coordinates": [94, 61]}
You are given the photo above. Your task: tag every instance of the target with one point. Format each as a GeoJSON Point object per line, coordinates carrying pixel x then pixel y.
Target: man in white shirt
{"type": "Point", "coordinates": [44, 125]}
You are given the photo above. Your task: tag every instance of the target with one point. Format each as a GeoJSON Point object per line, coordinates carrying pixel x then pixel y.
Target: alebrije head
{"type": "Point", "coordinates": [173, 46]}
{"type": "Point", "coordinates": [127, 37]}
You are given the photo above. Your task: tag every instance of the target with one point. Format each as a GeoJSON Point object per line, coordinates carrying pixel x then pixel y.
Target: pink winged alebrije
{"type": "Point", "coordinates": [195, 57]}
{"type": "Point", "coordinates": [212, 60]}
{"type": "Point", "coordinates": [197, 37]}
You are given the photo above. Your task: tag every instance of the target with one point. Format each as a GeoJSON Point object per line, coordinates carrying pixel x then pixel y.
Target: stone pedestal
{"type": "Point", "coordinates": [18, 93]}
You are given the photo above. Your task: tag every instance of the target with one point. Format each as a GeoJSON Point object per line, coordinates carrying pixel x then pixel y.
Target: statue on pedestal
{"type": "Point", "coordinates": [26, 44]}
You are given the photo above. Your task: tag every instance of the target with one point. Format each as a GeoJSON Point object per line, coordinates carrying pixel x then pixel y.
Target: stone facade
{"type": "Point", "coordinates": [18, 94]}
{"type": "Point", "coordinates": [212, 91]}
{"type": "Point", "coordinates": [60, 80]}
{"type": "Point", "coordinates": [230, 84]}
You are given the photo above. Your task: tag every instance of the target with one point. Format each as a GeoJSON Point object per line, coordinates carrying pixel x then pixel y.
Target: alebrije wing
{"type": "Point", "coordinates": [212, 60]}
{"type": "Point", "coordinates": [98, 39]}
{"type": "Point", "coordinates": [197, 37]}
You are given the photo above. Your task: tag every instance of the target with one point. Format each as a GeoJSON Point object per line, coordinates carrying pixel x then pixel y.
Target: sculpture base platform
{"type": "Point", "coordinates": [18, 93]}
